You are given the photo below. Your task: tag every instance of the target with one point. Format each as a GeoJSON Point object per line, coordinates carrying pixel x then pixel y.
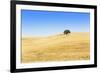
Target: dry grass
{"type": "Point", "coordinates": [74, 46]}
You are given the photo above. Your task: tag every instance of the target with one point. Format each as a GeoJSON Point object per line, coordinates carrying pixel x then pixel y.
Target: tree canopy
{"type": "Point", "coordinates": [66, 31]}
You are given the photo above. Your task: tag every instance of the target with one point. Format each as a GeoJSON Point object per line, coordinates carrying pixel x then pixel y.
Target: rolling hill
{"type": "Point", "coordinates": [60, 47]}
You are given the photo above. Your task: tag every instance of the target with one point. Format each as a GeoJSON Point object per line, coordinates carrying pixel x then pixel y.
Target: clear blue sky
{"type": "Point", "coordinates": [44, 23]}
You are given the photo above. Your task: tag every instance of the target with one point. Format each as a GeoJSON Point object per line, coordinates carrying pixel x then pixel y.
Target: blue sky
{"type": "Point", "coordinates": [44, 23]}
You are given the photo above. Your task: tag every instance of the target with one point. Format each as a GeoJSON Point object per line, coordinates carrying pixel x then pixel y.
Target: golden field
{"type": "Point", "coordinates": [74, 46]}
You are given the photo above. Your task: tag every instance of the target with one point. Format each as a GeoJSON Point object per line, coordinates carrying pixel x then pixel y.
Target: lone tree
{"type": "Point", "coordinates": [67, 32]}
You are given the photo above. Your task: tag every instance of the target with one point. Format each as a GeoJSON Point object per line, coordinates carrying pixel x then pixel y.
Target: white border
{"type": "Point", "coordinates": [20, 65]}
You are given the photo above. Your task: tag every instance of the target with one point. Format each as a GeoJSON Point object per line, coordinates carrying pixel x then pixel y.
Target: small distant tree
{"type": "Point", "coordinates": [66, 32]}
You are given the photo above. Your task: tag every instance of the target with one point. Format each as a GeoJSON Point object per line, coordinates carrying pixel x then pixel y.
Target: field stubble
{"type": "Point", "coordinates": [75, 46]}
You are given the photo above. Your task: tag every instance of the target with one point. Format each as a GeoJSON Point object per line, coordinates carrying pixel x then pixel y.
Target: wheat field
{"type": "Point", "coordinates": [60, 47]}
